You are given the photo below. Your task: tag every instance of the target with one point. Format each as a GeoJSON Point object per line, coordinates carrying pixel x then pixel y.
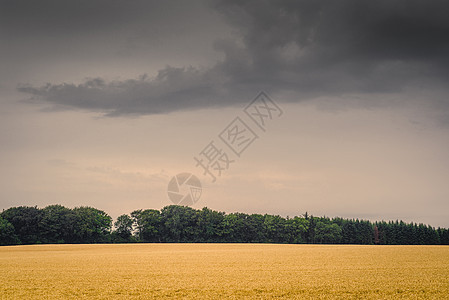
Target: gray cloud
{"type": "Point", "coordinates": [319, 48]}
{"type": "Point", "coordinates": [172, 89]}
{"type": "Point", "coordinates": [69, 19]}
{"type": "Point", "coordinates": [346, 46]}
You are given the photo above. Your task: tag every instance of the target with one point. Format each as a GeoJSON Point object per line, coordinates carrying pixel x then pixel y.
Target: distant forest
{"type": "Point", "coordinates": [181, 224]}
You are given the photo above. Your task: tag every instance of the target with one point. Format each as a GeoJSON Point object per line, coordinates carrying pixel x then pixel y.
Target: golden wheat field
{"type": "Point", "coordinates": [223, 271]}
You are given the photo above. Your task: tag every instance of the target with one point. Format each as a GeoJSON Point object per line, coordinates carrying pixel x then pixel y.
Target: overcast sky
{"type": "Point", "coordinates": [102, 102]}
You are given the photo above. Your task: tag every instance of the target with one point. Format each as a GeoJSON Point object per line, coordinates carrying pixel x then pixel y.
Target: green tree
{"type": "Point", "coordinates": [254, 229]}
{"type": "Point", "coordinates": [444, 236]}
{"type": "Point", "coordinates": [92, 225]}
{"type": "Point", "coordinates": [310, 233]}
{"type": "Point", "coordinates": [57, 224]}
{"type": "Point", "coordinates": [233, 227]}
{"type": "Point", "coordinates": [275, 228]}
{"type": "Point", "coordinates": [25, 220]}
{"type": "Point", "coordinates": [148, 224]}
{"type": "Point", "coordinates": [210, 225]}
{"type": "Point", "coordinates": [327, 232]}
{"type": "Point", "coordinates": [179, 223]}
{"type": "Point", "coordinates": [7, 234]}
{"type": "Point", "coordinates": [123, 229]}
{"type": "Point", "coordinates": [296, 230]}
{"type": "Point", "coordinates": [348, 232]}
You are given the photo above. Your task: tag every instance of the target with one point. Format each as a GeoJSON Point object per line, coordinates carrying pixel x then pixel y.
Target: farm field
{"type": "Point", "coordinates": [215, 271]}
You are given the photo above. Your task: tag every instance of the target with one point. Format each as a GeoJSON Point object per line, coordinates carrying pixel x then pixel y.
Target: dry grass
{"type": "Point", "coordinates": [224, 271]}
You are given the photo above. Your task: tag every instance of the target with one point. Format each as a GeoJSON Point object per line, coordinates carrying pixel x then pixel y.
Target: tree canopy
{"type": "Point", "coordinates": [183, 224]}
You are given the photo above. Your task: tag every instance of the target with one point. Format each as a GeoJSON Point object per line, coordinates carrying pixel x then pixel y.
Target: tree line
{"type": "Point", "coordinates": [182, 224]}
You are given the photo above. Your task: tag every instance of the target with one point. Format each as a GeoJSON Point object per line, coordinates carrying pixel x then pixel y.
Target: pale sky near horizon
{"type": "Point", "coordinates": [102, 102]}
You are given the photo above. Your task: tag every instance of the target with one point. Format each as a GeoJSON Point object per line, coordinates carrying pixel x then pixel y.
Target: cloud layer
{"type": "Point", "coordinates": [312, 49]}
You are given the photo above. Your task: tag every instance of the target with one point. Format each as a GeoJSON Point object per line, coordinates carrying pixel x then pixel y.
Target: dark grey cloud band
{"type": "Point", "coordinates": [311, 48]}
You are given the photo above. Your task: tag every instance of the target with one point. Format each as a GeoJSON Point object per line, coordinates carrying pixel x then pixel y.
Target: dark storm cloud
{"type": "Point", "coordinates": [336, 47]}
{"type": "Point", "coordinates": [172, 89]}
{"type": "Point", "coordinates": [56, 18]}
{"type": "Point", "coordinates": [313, 48]}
